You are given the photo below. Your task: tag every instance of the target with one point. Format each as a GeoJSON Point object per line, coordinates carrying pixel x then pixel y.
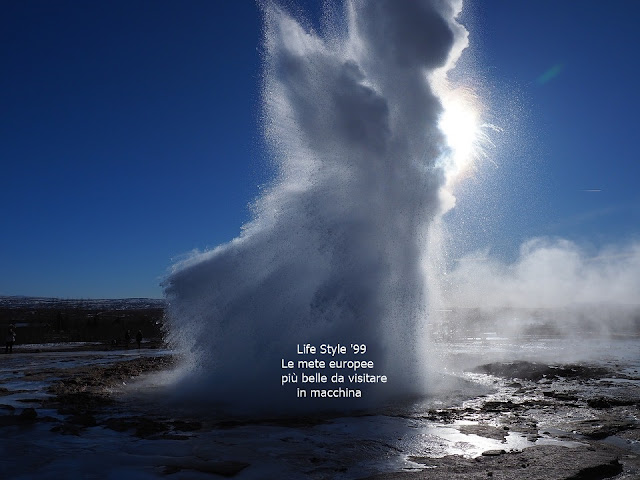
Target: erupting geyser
{"type": "Point", "coordinates": [339, 245]}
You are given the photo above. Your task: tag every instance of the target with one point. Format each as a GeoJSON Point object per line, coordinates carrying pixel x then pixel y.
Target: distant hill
{"type": "Point", "coordinates": [45, 319]}
{"type": "Point", "coordinates": [80, 303]}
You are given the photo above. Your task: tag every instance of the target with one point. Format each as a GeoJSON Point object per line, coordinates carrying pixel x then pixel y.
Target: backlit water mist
{"type": "Point", "coordinates": [340, 243]}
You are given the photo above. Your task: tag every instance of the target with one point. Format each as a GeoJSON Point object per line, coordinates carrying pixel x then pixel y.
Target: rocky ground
{"type": "Point", "coordinates": [595, 408]}
{"type": "Point", "coordinates": [78, 394]}
{"type": "Point", "coordinates": [577, 422]}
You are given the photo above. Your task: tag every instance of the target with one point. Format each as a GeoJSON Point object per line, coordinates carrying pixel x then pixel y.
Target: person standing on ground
{"type": "Point", "coordinates": [11, 339]}
{"type": "Point", "coordinates": [127, 338]}
{"type": "Point", "coordinates": [139, 338]}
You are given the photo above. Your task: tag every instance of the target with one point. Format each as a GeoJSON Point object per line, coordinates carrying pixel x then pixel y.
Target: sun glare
{"type": "Point", "coordinates": [463, 130]}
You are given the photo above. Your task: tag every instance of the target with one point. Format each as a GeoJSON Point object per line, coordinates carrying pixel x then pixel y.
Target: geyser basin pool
{"type": "Point", "coordinates": [566, 425]}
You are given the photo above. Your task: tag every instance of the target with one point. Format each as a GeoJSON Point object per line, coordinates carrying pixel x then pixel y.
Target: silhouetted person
{"type": "Point", "coordinates": [139, 338]}
{"type": "Point", "coordinates": [11, 339]}
{"type": "Point", "coordinates": [127, 338]}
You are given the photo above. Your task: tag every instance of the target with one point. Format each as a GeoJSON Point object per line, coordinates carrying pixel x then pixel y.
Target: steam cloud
{"type": "Point", "coordinates": [336, 249]}
{"type": "Point", "coordinates": [548, 274]}
{"type": "Point", "coordinates": [553, 282]}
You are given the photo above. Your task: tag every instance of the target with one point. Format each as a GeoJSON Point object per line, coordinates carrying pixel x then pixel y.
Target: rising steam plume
{"type": "Point", "coordinates": [554, 285]}
{"type": "Point", "coordinates": [337, 248]}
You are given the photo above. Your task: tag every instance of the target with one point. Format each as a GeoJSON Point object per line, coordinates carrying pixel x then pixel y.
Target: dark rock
{"type": "Point", "coordinates": [538, 372]}
{"type": "Point", "coordinates": [143, 426]}
{"type": "Point", "coordinates": [183, 426]}
{"type": "Point", "coordinates": [608, 402]}
{"type": "Point", "coordinates": [549, 462]}
{"type": "Point", "coordinates": [67, 429]}
{"type": "Point", "coordinates": [84, 419]}
{"type": "Point", "coordinates": [28, 415]}
{"type": "Point", "coordinates": [119, 424]}
{"type": "Point", "coordinates": [444, 416]}
{"type": "Point", "coordinates": [75, 403]}
{"type": "Point", "coordinates": [147, 427]}
{"type": "Point", "coordinates": [171, 469]}
{"type": "Point", "coordinates": [492, 453]}
{"type": "Point", "coordinates": [173, 436]}
{"type": "Point", "coordinates": [69, 410]}
{"type": "Point", "coordinates": [600, 428]}
{"type": "Point", "coordinates": [484, 431]}
{"type": "Point", "coordinates": [8, 420]}
{"type": "Point", "coordinates": [224, 469]}
{"type": "Point", "coordinates": [495, 406]}
{"type": "Point", "coordinates": [560, 395]}
{"type": "Point", "coordinates": [605, 470]}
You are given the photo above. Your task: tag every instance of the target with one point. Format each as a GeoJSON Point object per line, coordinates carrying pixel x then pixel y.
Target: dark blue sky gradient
{"type": "Point", "coordinates": [130, 133]}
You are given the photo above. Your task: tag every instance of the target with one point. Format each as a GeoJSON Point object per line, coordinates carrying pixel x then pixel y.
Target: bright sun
{"type": "Point", "coordinates": [460, 123]}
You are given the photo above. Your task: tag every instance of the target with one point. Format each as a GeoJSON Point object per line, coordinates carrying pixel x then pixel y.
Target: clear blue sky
{"type": "Point", "coordinates": [130, 133]}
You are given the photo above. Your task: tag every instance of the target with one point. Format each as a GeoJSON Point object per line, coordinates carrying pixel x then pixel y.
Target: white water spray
{"type": "Point", "coordinates": [340, 243]}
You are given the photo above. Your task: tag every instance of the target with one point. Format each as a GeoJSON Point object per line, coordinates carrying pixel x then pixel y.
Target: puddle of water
{"type": "Point", "coordinates": [623, 443]}
{"type": "Point", "coordinates": [440, 440]}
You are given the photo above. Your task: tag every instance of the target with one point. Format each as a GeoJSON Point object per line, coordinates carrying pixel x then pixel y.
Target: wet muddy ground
{"type": "Point", "coordinates": [70, 413]}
